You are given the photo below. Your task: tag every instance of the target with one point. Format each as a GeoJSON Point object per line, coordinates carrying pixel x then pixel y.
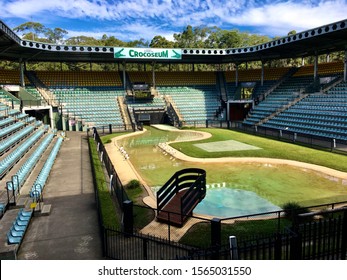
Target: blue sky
{"type": "Point", "coordinates": [135, 19]}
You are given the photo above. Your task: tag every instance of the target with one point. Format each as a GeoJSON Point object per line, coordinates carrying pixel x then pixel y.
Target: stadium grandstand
{"type": "Point", "coordinates": [39, 108]}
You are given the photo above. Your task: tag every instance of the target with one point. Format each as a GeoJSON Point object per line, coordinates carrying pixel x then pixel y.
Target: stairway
{"type": "Point", "coordinates": [47, 95]}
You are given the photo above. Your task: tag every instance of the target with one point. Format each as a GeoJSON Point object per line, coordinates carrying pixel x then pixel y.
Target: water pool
{"type": "Point", "coordinates": [226, 202]}
{"type": "Point", "coordinates": [258, 187]}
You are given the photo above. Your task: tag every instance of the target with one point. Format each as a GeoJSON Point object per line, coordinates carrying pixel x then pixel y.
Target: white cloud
{"type": "Point", "coordinates": [129, 32]}
{"type": "Point", "coordinates": [165, 17]}
{"type": "Point", "coordinates": [285, 16]}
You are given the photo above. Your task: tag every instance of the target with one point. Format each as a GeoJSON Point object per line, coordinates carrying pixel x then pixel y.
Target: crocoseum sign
{"type": "Point", "coordinates": [147, 53]}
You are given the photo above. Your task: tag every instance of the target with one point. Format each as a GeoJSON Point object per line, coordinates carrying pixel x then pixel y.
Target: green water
{"type": "Point", "coordinates": [276, 184]}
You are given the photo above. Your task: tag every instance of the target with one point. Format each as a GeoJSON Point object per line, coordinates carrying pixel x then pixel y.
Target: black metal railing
{"type": "Point", "coordinates": [116, 185]}
{"type": "Point", "coordinates": [191, 179]}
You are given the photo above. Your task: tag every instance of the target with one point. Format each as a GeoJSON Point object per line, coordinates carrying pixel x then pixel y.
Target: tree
{"type": "Point", "coordinates": [161, 42]}
{"type": "Point", "coordinates": [192, 37]}
{"type": "Point", "coordinates": [56, 35]}
{"type": "Point", "coordinates": [82, 41]}
{"type": "Point", "coordinates": [138, 43]}
{"type": "Point", "coordinates": [230, 39]}
{"type": "Point", "coordinates": [34, 29]}
{"type": "Point", "coordinates": [185, 39]}
{"type": "Point", "coordinates": [112, 41]}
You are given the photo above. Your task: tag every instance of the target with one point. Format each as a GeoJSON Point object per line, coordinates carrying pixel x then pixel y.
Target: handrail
{"type": "Point", "coordinates": [196, 192]}
{"type": "Point", "coordinates": [193, 179]}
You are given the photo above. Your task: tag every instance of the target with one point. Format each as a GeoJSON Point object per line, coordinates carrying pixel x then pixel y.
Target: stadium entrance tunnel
{"type": "Point", "coordinates": [148, 116]}
{"type": "Point", "coordinates": [41, 113]}
{"type": "Point", "coordinates": [238, 109]}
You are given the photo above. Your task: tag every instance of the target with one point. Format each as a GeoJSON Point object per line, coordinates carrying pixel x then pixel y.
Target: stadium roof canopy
{"type": "Point", "coordinates": [321, 40]}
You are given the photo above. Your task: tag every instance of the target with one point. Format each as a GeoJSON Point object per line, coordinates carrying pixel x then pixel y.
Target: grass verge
{"type": "Point", "coordinates": [142, 215]}
{"type": "Point", "coordinates": [200, 234]}
{"type": "Point", "coordinates": [108, 209]}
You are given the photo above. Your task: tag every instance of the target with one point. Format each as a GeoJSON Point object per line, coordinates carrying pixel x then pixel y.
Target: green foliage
{"type": "Point", "coordinates": [142, 215]}
{"type": "Point", "coordinates": [33, 31]}
{"type": "Point", "coordinates": [292, 209]}
{"type": "Point", "coordinates": [133, 184]}
{"type": "Point", "coordinates": [160, 42]}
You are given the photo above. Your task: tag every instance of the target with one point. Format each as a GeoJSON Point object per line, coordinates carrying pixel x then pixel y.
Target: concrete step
{"type": "Point", "coordinates": [42, 209]}
{"type": "Point", "coordinates": [46, 210]}
{"type": "Point", "coordinates": [22, 202]}
{"type": "Point", "coordinates": [39, 207]}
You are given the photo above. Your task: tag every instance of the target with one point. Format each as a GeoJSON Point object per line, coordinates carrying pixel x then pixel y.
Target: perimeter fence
{"type": "Point", "coordinates": [316, 232]}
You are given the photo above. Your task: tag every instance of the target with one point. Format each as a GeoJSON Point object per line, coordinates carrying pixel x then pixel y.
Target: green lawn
{"type": "Point", "coordinates": [269, 148]}
{"type": "Point", "coordinates": [108, 213]}
{"type": "Point", "coordinates": [107, 138]}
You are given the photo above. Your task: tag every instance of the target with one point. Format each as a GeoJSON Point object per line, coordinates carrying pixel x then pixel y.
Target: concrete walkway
{"type": "Point", "coordinates": [126, 172]}
{"type": "Point", "coordinates": [70, 231]}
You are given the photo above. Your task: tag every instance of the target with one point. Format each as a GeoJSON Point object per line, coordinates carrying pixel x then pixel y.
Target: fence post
{"type": "Point", "coordinates": [111, 183]}
{"type": "Point", "coordinates": [333, 144]}
{"type": "Point", "coordinates": [233, 248]}
{"type": "Point", "coordinates": [144, 247]}
{"type": "Point", "coordinates": [215, 232]}
{"type": "Point", "coordinates": [295, 241]}
{"type": "Point", "coordinates": [128, 222]}
{"type": "Point", "coordinates": [278, 246]}
{"type": "Point", "coordinates": [215, 236]}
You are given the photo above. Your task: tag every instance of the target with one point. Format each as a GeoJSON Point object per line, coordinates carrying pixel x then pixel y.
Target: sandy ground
{"type": "Point", "coordinates": [127, 172]}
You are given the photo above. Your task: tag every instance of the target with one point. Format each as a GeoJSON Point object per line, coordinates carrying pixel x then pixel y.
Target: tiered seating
{"type": "Point", "coordinates": [322, 115]}
{"type": "Point", "coordinates": [261, 89]}
{"type": "Point", "coordinates": [140, 77]}
{"type": "Point", "coordinates": [79, 78]}
{"type": "Point", "coordinates": [41, 179]}
{"type": "Point", "coordinates": [5, 132]}
{"type": "Point", "coordinates": [281, 96]}
{"type": "Point", "coordinates": [34, 92]}
{"type": "Point", "coordinates": [324, 69]}
{"type": "Point", "coordinates": [10, 160]}
{"type": "Point", "coordinates": [271, 75]}
{"type": "Point", "coordinates": [254, 75]}
{"type": "Point", "coordinates": [26, 168]}
{"type": "Point", "coordinates": [185, 78]}
{"type": "Point", "coordinates": [11, 77]}
{"type": "Point", "coordinates": [20, 224]}
{"type": "Point", "coordinates": [90, 97]}
{"type": "Point", "coordinates": [6, 98]}
{"type": "Point", "coordinates": [155, 103]}
{"type": "Point", "coordinates": [97, 106]}
{"type": "Point", "coordinates": [197, 103]}
{"type": "Point", "coordinates": [12, 140]}
{"type": "Point", "coordinates": [6, 122]}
